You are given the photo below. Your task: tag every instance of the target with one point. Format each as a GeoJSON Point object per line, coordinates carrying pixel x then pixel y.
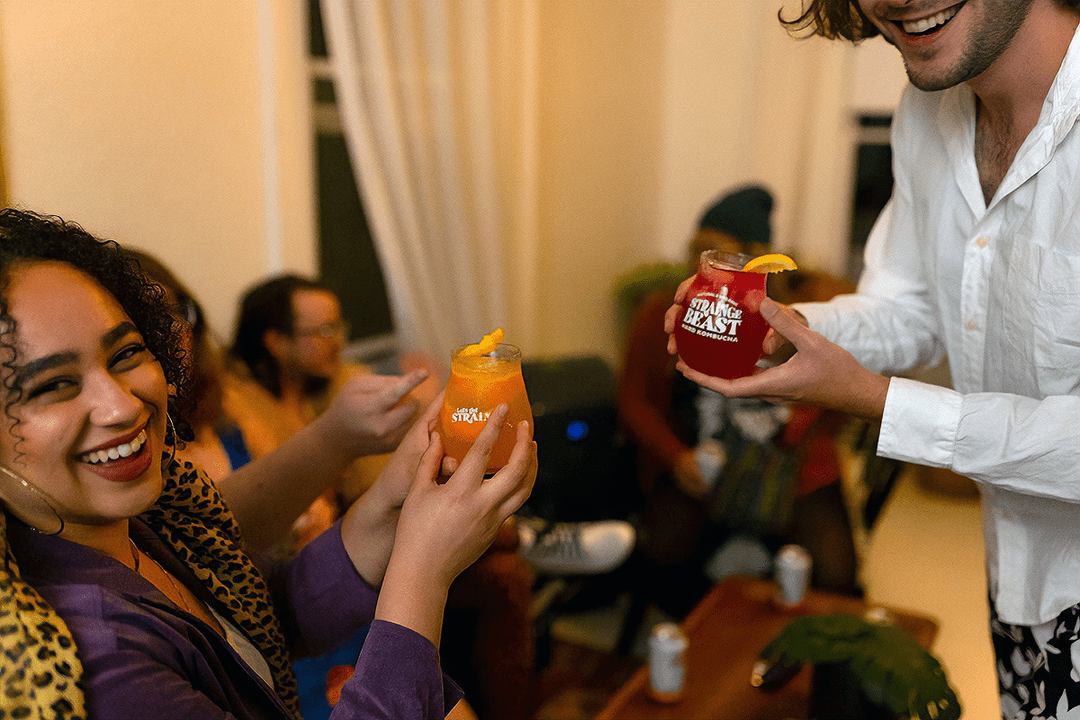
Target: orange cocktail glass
{"type": "Point", "coordinates": [478, 384]}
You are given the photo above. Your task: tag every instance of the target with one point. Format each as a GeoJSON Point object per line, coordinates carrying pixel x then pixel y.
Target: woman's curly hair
{"type": "Point", "coordinates": [28, 237]}
{"type": "Point", "coordinates": [834, 19]}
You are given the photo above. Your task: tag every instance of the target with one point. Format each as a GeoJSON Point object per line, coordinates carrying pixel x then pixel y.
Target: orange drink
{"type": "Point", "coordinates": [478, 384]}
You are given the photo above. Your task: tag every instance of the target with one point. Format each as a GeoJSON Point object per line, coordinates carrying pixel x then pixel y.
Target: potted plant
{"type": "Point", "coordinates": [862, 669]}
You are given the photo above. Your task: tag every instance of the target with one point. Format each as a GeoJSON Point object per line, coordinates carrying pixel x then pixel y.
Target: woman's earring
{"type": "Point", "coordinates": [28, 503]}
{"type": "Point", "coordinates": [171, 438]}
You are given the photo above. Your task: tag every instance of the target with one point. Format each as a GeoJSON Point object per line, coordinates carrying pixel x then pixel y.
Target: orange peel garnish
{"type": "Point", "coordinates": [773, 262]}
{"type": "Point", "coordinates": [487, 344]}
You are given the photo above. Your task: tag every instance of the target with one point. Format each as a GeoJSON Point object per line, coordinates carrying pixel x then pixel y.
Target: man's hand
{"type": "Point", "coordinates": [819, 372]}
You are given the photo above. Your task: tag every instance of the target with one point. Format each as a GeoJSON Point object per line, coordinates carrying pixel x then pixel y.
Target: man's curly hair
{"type": "Point", "coordinates": [29, 237]}
{"type": "Point", "coordinates": [835, 19]}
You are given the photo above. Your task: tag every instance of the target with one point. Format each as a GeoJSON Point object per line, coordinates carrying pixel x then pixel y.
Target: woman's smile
{"type": "Point", "coordinates": [120, 461]}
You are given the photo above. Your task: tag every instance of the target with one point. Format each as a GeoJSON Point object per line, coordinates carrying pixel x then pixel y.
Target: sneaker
{"type": "Point", "coordinates": [586, 548]}
{"type": "Point", "coordinates": [739, 556]}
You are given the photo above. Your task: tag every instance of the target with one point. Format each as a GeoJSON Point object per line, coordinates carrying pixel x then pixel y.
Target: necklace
{"type": "Point", "coordinates": [135, 553]}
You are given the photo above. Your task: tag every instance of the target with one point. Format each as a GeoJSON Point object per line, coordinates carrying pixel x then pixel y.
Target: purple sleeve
{"type": "Point", "coordinates": [321, 597]}
{"type": "Point", "coordinates": [397, 676]}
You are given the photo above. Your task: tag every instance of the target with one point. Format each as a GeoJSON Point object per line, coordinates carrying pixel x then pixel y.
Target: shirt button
{"type": "Point", "coordinates": [982, 242]}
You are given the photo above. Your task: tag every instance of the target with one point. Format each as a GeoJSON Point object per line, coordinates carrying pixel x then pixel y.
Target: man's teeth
{"type": "Point", "coordinates": [122, 450]}
{"type": "Point", "coordinates": [915, 27]}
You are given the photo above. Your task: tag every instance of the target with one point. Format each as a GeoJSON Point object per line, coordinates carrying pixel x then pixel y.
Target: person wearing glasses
{"type": "Point", "coordinates": [289, 337]}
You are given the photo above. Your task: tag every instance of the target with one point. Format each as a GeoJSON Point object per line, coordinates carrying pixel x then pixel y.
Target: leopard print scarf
{"type": "Point", "coordinates": [39, 670]}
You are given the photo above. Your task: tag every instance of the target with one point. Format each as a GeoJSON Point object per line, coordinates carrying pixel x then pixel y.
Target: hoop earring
{"type": "Point", "coordinates": [16, 484]}
{"type": "Point", "coordinates": [170, 434]}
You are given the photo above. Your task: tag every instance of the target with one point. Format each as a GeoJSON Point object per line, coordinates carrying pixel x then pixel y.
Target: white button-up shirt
{"type": "Point", "coordinates": [997, 288]}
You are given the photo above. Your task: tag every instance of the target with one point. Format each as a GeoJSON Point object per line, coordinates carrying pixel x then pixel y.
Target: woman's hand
{"type": "Point", "coordinates": [397, 477]}
{"type": "Point", "coordinates": [370, 524]}
{"type": "Point", "coordinates": [445, 527]}
{"type": "Point", "coordinates": [371, 413]}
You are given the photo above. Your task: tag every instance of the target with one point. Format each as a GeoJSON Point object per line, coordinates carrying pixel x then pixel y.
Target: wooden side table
{"type": "Point", "coordinates": [726, 632]}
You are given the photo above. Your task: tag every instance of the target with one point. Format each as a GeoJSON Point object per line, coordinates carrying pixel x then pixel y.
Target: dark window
{"type": "Point", "coordinates": [347, 259]}
{"type": "Point", "coordinates": [873, 184]}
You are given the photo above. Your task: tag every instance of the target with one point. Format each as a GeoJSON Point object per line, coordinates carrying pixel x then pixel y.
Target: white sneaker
{"type": "Point", "coordinates": [738, 556]}
{"type": "Point", "coordinates": [586, 548]}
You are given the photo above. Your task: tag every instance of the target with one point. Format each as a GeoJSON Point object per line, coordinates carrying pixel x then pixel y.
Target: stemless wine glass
{"type": "Point", "coordinates": [720, 329]}
{"type": "Point", "coordinates": [478, 384]}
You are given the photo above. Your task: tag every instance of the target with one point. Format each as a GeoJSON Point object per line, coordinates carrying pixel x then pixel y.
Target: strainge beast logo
{"type": "Point", "coordinates": [714, 315]}
{"type": "Point", "coordinates": [469, 415]}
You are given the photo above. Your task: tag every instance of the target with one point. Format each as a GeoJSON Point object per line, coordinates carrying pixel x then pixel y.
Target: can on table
{"type": "Point", "coordinates": [793, 565]}
{"type": "Point", "coordinates": [667, 662]}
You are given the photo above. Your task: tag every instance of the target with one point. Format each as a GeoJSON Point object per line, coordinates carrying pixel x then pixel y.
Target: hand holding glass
{"type": "Point", "coordinates": [478, 384]}
{"type": "Point", "coordinates": [720, 330]}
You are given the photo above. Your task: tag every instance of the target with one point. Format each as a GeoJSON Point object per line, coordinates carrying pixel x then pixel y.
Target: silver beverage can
{"type": "Point", "coordinates": [710, 458]}
{"type": "Point", "coordinates": [667, 662]}
{"type": "Point", "coordinates": [792, 565]}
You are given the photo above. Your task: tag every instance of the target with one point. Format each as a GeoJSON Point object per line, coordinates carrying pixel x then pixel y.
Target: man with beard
{"type": "Point", "coordinates": [976, 256]}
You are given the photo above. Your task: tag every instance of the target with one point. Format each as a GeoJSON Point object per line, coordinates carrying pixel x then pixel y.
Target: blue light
{"type": "Point", "coordinates": [577, 430]}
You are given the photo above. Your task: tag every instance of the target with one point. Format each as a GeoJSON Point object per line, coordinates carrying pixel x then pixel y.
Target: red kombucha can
{"type": "Point", "coordinates": [720, 329]}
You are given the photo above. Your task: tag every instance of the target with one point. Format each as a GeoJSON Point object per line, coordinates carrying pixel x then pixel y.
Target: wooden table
{"type": "Point", "coordinates": [726, 631]}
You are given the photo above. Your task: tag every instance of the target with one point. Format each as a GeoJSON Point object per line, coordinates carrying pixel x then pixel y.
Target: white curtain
{"type": "Point", "coordinates": [431, 94]}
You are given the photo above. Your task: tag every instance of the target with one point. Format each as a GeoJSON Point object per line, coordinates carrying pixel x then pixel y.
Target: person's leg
{"type": "Point", "coordinates": [1037, 668]}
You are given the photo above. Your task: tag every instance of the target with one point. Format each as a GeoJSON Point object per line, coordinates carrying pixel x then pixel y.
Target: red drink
{"type": "Point", "coordinates": [720, 330]}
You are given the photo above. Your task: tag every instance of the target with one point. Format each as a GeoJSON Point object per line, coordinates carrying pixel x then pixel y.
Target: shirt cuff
{"type": "Point", "coordinates": [399, 671]}
{"type": "Point", "coordinates": [919, 423]}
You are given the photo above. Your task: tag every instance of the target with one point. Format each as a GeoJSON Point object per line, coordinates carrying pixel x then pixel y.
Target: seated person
{"type": "Point", "coordinates": [126, 581]}
{"type": "Point", "coordinates": [289, 338]}
{"type": "Point", "coordinates": [235, 420]}
{"type": "Point", "coordinates": [669, 419]}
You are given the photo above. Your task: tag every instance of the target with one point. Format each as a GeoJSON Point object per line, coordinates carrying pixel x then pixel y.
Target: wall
{"type": "Point", "coordinates": [600, 104]}
{"type": "Point", "coordinates": [146, 125]}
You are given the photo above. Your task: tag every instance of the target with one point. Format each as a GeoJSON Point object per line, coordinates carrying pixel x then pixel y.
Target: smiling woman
{"type": "Point", "coordinates": [125, 573]}
{"type": "Point", "coordinates": [85, 403]}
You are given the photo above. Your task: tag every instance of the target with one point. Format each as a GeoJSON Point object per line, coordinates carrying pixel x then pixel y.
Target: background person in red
{"type": "Point", "coordinates": [687, 541]}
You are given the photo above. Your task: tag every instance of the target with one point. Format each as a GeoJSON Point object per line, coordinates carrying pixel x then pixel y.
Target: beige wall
{"type": "Point", "coordinates": [650, 109]}
{"type": "Point", "coordinates": [143, 121]}
{"type": "Point", "coordinates": [600, 103]}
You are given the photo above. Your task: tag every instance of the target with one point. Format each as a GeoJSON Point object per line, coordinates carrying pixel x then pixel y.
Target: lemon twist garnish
{"type": "Point", "coordinates": [487, 344]}
{"type": "Point", "coordinates": [773, 262]}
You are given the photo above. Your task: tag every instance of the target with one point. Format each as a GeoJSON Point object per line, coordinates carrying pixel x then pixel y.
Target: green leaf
{"type": "Point", "coordinates": [892, 668]}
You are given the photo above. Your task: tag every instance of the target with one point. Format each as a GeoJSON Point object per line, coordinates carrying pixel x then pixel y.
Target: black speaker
{"type": "Point", "coordinates": [578, 447]}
